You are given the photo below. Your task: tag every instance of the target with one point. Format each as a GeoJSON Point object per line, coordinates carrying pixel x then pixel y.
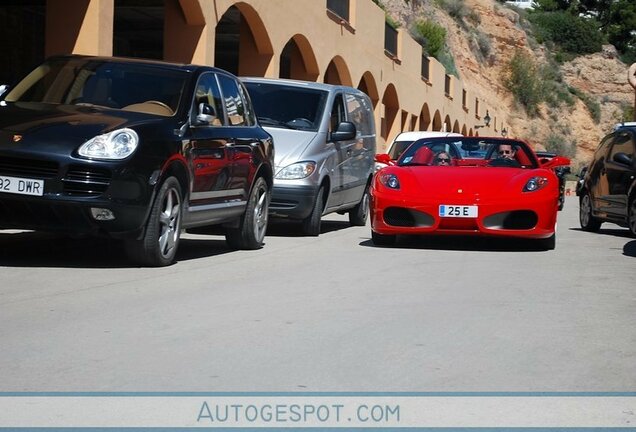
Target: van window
{"type": "Point", "coordinates": [359, 113]}
{"type": "Point", "coordinates": [337, 113]}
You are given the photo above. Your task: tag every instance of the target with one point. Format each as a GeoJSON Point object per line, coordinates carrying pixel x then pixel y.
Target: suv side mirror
{"type": "Point", "coordinates": [206, 114]}
{"type": "Point", "coordinates": [3, 89]}
{"type": "Point", "coordinates": [623, 159]}
{"type": "Point", "coordinates": [344, 131]}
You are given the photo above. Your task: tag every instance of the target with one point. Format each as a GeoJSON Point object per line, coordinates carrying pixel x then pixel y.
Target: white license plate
{"type": "Point", "coordinates": [457, 211]}
{"type": "Point", "coordinates": [22, 186]}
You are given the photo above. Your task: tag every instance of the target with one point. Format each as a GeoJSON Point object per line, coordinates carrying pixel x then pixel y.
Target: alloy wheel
{"type": "Point", "coordinates": [169, 222]}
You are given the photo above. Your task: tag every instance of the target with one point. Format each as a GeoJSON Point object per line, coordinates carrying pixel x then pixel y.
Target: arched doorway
{"type": "Point", "coordinates": [338, 73]}
{"type": "Point", "coordinates": [22, 27]}
{"type": "Point", "coordinates": [388, 126]}
{"type": "Point", "coordinates": [437, 121]}
{"type": "Point", "coordinates": [447, 124]}
{"type": "Point", "coordinates": [138, 28]}
{"type": "Point", "coordinates": [456, 127]}
{"type": "Point", "coordinates": [242, 45]}
{"type": "Point", "coordinates": [297, 60]}
{"type": "Point", "coordinates": [425, 118]}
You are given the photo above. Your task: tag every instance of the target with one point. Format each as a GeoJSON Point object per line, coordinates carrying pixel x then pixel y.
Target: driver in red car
{"type": "Point", "coordinates": [506, 151]}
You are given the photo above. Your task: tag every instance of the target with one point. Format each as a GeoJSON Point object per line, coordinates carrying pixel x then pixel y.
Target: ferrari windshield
{"type": "Point", "coordinates": [469, 151]}
{"type": "Point", "coordinates": [106, 84]}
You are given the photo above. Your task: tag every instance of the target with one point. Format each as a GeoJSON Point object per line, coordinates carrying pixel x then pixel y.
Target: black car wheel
{"type": "Point", "coordinates": [632, 216]}
{"type": "Point", "coordinates": [311, 224]}
{"type": "Point", "coordinates": [358, 215]}
{"type": "Point", "coordinates": [159, 244]}
{"type": "Point", "coordinates": [251, 231]}
{"type": "Point", "coordinates": [382, 239]}
{"type": "Point", "coordinates": [587, 221]}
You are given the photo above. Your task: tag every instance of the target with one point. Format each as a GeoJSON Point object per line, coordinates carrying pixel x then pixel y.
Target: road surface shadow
{"type": "Point", "coordinates": [616, 232]}
{"type": "Point", "coordinates": [463, 243]}
{"type": "Point", "coordinates": [36, 249]}
{"type": "Point", "coordinates": [282, 228]}
{"type": "Point", "coordinates": [630, 249]}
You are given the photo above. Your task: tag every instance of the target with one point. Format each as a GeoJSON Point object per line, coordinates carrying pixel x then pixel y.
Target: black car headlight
{"type": "Point", "coordinates": [116, 145]}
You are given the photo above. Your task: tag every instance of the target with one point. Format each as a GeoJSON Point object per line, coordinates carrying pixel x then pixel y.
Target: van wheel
{"type": "Point", "coordinates": [383, 239]}
{"type": "Point", "coordinates": [311, 224]}
{"type": "Point", "coordinates": [358, 215]}
{"type": "Point", "coordinates": [251, 231]}
{"type": "Point", "coordinates": [158, 246]}
{"type": "Point", "coordinates": [587, 221]}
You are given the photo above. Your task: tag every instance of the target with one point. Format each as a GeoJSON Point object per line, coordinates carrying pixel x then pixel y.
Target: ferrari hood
{"type": "Point", "coordinates": [59, 128]}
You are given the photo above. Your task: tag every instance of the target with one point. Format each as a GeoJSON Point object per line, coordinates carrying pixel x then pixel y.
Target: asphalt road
{"type": "Point", "coordinates": [331, 313]}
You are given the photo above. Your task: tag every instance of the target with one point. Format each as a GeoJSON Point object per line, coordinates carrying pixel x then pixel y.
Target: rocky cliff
{"type": "Point", "coordinates": [602, 77]}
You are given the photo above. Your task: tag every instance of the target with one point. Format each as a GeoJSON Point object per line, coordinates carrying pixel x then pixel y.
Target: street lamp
{"type": "Point", "coordinates": [486, 121]}
{"type": "Point", "coordinates": [504, 132]}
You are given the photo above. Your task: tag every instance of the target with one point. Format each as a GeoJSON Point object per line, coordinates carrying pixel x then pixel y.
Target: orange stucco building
{"type": "Point", "coordinates": [334, 41]}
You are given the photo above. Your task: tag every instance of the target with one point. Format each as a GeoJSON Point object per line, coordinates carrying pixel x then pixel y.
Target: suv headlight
{"type": "Point", "coordinates": [296, 171]}
{"type": "Point", "coordinates": [116, 145]}
{"type": "Point", "coordinates": [535, 183]}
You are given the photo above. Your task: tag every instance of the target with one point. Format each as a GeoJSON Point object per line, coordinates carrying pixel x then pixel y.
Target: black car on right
{"type": "Point", "coordinates": [607, 190]}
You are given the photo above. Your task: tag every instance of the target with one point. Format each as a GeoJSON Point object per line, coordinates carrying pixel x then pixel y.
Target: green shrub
{"type": "Point", "coordinates": [572, 33]}
{"type": "Point", "coordinates": [592, 105]}
{"type": "Point", "coordinates": [559, 144]}
{"type": "Point", "coordinates": [431, 35]}
{"type": "Point", "coordinates": [522, 79]}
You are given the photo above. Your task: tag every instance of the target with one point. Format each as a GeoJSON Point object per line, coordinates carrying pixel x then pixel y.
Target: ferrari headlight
{"type": "Point", "coordinates": [116, 145]}
{"type": "Point", "coordinates": [296, 171]}
{"type": "Point", "coordinates": [390, 180]}
{"type": "Point", "coordinates": [535, 183]}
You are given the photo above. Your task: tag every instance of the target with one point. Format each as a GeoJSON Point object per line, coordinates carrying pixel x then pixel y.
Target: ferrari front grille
{"type": "Point", "coordinates": [404, 217]}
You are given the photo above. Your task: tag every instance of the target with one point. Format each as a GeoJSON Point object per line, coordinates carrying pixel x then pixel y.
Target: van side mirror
{"type": "Point", "coordinates": [623, 159]}
{"type": "Point", "coordinates": [3, 89]}
{"type": "Point", "coordinates": [345, 131]}
{"type": "Point", "coordinates": [206, 114]}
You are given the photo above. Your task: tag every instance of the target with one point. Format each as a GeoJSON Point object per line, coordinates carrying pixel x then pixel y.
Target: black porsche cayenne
{"type": "Point", "coordinates": [135, 150]}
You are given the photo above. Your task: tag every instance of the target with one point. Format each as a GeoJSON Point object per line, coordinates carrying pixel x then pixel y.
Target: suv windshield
{"type": "Point", "coordinates": [286, 106]}
{"type": "Point", "coordinates": [126, 86]}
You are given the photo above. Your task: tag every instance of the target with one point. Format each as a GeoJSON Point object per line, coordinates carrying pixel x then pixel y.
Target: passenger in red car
{"type": "Point", "coordinates": [442, 159]}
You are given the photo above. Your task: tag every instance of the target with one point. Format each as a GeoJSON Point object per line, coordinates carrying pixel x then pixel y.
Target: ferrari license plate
{"type": "Point", "coordinates": [21, 186]}
{"type": "Point", "coordinates": [458, 211]}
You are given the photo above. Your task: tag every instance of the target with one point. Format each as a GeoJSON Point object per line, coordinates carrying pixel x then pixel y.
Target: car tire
{"type": "Point", "coordinates": [587, 221]}
{"type": "Point", "coordinates": [250, 233]}
{"type": "Point", "coordinates": [631, 217]}
{"type": "Point", "coordinates": [312, 223]}
{"type": "Point", "coordinates": [383, 239]}
{"type": "Point", "coordinates": [359, 214]}
{"type": "Point", "coordinates": [158, 246]}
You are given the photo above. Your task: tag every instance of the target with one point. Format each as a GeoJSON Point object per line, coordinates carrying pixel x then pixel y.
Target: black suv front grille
{"type": "Point", "coordinates": [30, 168]}
{"type": "Point", "coordinates": [86, 180]}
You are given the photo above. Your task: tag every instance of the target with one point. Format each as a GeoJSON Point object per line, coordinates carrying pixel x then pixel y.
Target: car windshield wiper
{"type": "Point", "coordinates": [273, 122]}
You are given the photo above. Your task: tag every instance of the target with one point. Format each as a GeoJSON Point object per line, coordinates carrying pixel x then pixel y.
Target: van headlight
{"type": "Point", "coordinates": [116, 145]}
{"type": "Point", "coordinates": [296, 171]}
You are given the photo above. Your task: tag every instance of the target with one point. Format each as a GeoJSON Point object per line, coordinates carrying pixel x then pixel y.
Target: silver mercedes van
{"type": "Point", "coordinates": [325, 148]}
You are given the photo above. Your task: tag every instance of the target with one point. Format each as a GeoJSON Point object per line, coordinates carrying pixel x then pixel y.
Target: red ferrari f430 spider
{"type": "Point", "coordinates": [468, 186]}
